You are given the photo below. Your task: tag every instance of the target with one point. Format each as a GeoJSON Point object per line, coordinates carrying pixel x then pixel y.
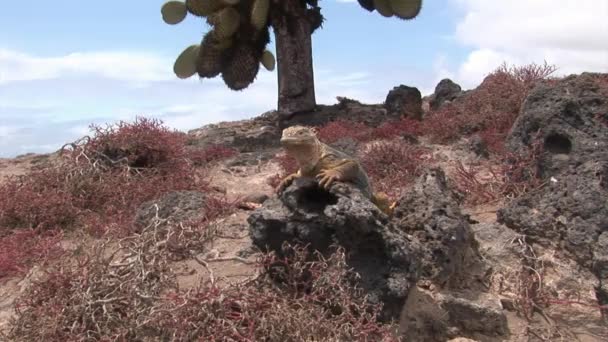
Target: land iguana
{"type": "Point", "coordinates": [318, 160]}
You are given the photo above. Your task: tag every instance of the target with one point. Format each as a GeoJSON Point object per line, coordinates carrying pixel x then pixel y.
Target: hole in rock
{"type": "Point", "coordinates": [315, 198]}
{"type": "Point", "coordinates": [558, 144]}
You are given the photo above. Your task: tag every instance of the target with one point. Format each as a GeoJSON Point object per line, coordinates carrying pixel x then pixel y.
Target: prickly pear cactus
{"type": "Point", "coordinates": [235, 45]}
{"type": "Point", "coordinates": [406, 9]}
{"type": "Point", "coordinates": [403, 9]}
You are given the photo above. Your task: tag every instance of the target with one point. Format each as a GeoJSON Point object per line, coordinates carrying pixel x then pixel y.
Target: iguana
{"type": "Point", "coordinates": [326, 164]}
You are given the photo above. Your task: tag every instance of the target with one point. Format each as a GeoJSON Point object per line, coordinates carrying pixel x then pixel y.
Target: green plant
{"type": "Point", "coordinates": [236, 43]}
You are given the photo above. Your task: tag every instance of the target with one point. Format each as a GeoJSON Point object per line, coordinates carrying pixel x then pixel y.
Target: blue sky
{"type": "Point", "coordinates": [63, 67]}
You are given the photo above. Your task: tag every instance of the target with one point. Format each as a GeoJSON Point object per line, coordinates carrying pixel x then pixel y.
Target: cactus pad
{"type": "Point", "coordinates": [203, 8]}
{"type": "Point", "coordinates": [259, 13]}
{"type": "Point", "coordinates": [406, 9]}
{"type": "Point", "coordinates": [367, 4]}
{"type": "Point", "coordinates": [226, 22]}
{"type": "Point", "coordinates": [241, 70]}
{"type": "Point", "coordinates": [185, 64]}
{"type": "Point", "coordinates": [383, 7]}
{"type": "Point", "coordinates": [210, 55]}
{"type": "Point", "coordinates": [268, 60]}
{"type": "Point", "coordinates": [173, 12]}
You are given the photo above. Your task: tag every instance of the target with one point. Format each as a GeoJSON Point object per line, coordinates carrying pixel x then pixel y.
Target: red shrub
{"type": "Point", "coordinates": [288, 166]}
{"type": "Point", "coordinates": [144, 143]}
{"type": "Point", "coordinates": [391, 166]}
{"type": "Point", "coordinates": [336, 130]}
{"type": "Point", "coordinates": [20, 249]}
{"type": "Point", "coordinates": [490, 109]}
{"type": "Point", "coordinates": [515, 175]}
{"type": "Point", "coordinates": [210, 154]}
{"type": "Point", "coordinates": [102, 180]}
{"type": "Point", "coordinates": [39, 200]}
{"type": "Point", "coordinates": [392, 129]}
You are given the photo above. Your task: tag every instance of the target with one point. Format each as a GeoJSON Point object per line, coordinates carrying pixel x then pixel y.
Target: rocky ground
{"type": "Point", "coordinates": [491, 271]}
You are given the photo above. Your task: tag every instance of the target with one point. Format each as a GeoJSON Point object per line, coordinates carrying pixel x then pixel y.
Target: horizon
{"type": "Point", "coordinates": [61, 70]}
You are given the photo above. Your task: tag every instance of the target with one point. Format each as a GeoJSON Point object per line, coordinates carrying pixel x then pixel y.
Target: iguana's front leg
{"type": "Point", "coordinates": [286, 182]}
{"type": "Point", "coordinates": [344, 171]}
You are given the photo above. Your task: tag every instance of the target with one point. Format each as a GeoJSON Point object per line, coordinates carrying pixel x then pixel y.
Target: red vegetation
{"type": "Point", "coordinates": [102, 180]}
{"type": "Point", "coordinates": [336, 130]}
{"type": "Point", "coordinates": [392, 166]}
{"type": "Point", "coordinates": [489, 110]}
{"type": "Point", "coordinates": [20, 249]}
{"type": "Point", "coordinates": [301, 297]}
{"type": "Point", "coordinates": [515, 175]}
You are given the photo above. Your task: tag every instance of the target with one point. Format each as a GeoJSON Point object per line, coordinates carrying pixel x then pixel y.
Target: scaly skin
{"type": "Point", "coordinates": [326, 164]}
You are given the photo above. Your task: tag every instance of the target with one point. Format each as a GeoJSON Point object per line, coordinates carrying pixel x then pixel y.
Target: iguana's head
{"type": "Point", "coordinates": [299, 136]}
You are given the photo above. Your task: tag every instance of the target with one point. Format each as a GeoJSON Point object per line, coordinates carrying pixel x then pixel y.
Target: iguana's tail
{"type": "Point", "coordinates": [381, 200]}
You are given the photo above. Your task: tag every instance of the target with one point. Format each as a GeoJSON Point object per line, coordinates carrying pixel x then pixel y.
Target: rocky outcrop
{"type": "Point", "coordinates": [430, 212]}
{"type": "Point", "coordinates": [428, 236]}
{"type": "Point", "coordinates": [404, 101]}
{"type": "Point", "coordinates": [437, 317]}
{"type": "Point", "coordinates": [445, 92]}
{"type": "Point", "coordinates": [246, 135]}
{"type": "Point", "coordinates": [346, 109]}
{"type": "Point", "coordinates": [572, 209]}
{"type": "Point", "coordinates": [384, 256]}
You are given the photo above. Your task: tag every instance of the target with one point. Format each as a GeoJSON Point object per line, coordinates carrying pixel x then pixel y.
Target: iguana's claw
{"type": "Point", "coordinates": [285, 183]}
{"type": "Point", "coordinates": [327, 177]}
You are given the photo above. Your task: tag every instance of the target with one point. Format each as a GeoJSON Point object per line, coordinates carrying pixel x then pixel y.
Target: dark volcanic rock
{"type": "Point", "coordinates": [404, 101]}
{"type": "Point", "coordinates": [446, 90]}
{"type": "Point", "coordinates": [384, 256]}
{"type": "Point", "coordinates": [428, 232]}
{"type": "Point", "coordinates": [429, 211]}
{"type": "Point", "coordinates": [568, 115]}
{"type": "Point", "coordinates": [175, 207]}
{"type": "Point", "coordinates": [572, 209]}
{"type": "Point", "coordinates": [346, 109]}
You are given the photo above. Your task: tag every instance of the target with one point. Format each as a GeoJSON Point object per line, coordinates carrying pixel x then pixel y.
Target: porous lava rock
{"type": "Point", "coordinates": [429, 211]}
{"type": "Point", "coordinates": [445, 92]}
{"type": "Point", "coordinates": [305, 213]}
{"type": "Point", "coordinates": [404, 101]}
{"type": "Point", "coordinates": [568, 119]}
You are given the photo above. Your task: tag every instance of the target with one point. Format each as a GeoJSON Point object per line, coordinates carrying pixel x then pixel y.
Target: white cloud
{"type": "Point", "coordinates": [570, 34]}
{"type": "Point", "coordinates": [76, 90]}
{"type": "Point", "coordinates": [126, 66]}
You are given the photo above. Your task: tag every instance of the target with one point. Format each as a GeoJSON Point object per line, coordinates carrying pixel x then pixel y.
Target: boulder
{"type": "Point", "coordinates": [404, 101]}
{"type": "Point", "coordinates": [384, 256]}
{"type": "Point", "coordinates": [429, 316]}
{"type": "Point", "coordinates": [445, 91]}
{"type": "Point", "coordinates": [572, 208]}
{"type": "Point", "coordinates": [429, 211]}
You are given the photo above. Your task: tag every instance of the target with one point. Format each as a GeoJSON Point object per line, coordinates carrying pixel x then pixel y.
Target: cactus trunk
{"type": "Point", "coordinates": [294, 59]}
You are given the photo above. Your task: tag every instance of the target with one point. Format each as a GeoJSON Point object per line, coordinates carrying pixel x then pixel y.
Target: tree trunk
{"type": "Point", "coordinates": [294, 57]}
